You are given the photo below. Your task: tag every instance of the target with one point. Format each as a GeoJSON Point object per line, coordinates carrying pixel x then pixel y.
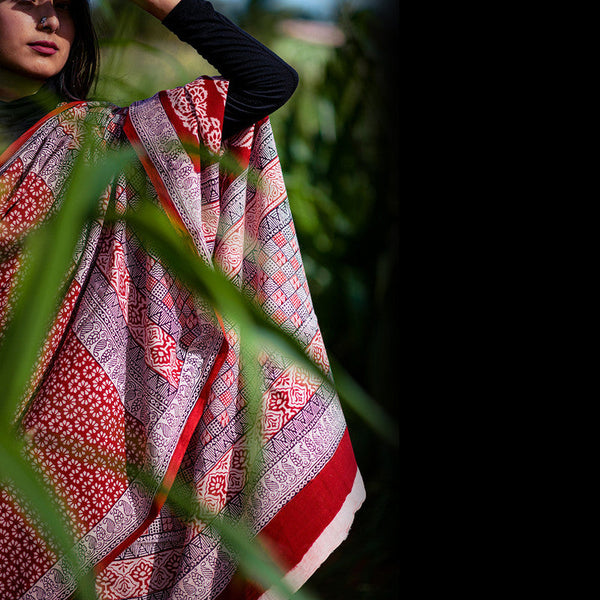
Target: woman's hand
{"type": "Point", "coordinates": [158, 8]}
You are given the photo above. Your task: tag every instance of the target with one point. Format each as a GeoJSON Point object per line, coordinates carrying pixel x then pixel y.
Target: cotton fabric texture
{"type": "Point", "coordinates": [138, 373]}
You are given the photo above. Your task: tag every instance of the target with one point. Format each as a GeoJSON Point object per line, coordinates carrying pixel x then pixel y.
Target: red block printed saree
{"type": "Point", "coordinates": [139, 373]}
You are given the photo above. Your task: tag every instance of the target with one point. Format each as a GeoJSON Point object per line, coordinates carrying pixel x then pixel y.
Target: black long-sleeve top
{"type": "Point", "coordinates": [259, 81]}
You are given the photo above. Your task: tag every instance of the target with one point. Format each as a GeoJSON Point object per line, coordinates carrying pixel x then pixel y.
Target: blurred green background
{"type": "Point", "coordinates": [338, 143]}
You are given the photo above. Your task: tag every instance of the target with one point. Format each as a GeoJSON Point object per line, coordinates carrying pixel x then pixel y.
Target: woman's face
{"type": "Point", "coordinates": [35, 38]}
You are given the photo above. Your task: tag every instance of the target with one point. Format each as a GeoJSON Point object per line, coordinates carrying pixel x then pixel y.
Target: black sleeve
{"type": "Point", "coordinates": [259, 81]}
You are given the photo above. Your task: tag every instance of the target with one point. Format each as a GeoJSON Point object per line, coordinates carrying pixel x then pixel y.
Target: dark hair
{"type": "Point", "coordinates": [79, 74]}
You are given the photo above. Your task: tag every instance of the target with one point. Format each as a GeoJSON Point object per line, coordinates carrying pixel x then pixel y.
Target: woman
{"type": "Point", "coordinates": [66, 59]}
{"type": "Point", "coordinates": [138, 374]}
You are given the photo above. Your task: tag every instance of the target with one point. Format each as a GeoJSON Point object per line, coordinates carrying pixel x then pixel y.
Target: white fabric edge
{"type": "Point", "coordinates": [331, 537]}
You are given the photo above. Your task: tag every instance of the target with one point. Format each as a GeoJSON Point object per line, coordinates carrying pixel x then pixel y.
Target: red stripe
{"type": "Point", "coordinates": [190, 426]}
{"type": "Point", "coordinates": [298, 525]}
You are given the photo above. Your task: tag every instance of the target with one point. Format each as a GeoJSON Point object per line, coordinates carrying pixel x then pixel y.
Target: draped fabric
{"type": "Point", "coordinates": [138, 375]}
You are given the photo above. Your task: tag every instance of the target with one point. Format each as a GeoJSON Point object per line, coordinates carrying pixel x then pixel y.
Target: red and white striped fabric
{"type": "Point", "coordinates": [139, 375]}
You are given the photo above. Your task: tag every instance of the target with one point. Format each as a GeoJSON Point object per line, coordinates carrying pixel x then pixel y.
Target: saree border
{"type": "Point", "coordinates": [316, 533]}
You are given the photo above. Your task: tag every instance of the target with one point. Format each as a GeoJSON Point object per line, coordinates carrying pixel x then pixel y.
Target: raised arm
{"type": "Point", "coordinates": [259, 81]}
{"type": "Point", "coordinates": [157, 8]}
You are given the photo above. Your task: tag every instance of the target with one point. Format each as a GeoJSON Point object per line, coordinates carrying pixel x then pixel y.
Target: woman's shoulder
{"type": "Point", "coordinates": [90, 109]}
{"type": "Point", "coordinates": [197, 106]}
{"type": "Point", "coordinates": [99, 119]}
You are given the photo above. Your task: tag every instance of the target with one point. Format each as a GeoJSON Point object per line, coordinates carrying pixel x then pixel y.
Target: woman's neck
{"type": "Point", "coordinates": [14, 86]}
